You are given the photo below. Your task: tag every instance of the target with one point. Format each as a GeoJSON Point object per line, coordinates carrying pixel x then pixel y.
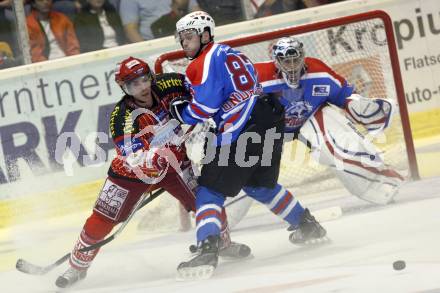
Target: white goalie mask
{"type": "Point", "coordinates": [288, 54]}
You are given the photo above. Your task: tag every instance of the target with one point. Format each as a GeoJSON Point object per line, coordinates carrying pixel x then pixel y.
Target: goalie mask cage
{"type": "Point", "coordinates": [359, 47]}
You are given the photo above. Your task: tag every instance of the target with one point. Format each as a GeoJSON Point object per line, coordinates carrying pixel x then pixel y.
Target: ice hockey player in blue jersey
{"type": "Point", "coordinates": [309, 90]}
{"type": "Point", "coordinates": [248, 126]}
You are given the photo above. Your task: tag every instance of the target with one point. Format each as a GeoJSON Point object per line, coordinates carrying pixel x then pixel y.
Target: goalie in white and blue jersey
{"type": "Point", "coordinates": [309, 90]}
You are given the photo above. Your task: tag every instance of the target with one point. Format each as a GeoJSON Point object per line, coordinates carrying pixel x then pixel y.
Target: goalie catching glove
{"type": "Point", "coordinates": [176, 107]}
{"type": "Point", "coordinates": [375, 114]}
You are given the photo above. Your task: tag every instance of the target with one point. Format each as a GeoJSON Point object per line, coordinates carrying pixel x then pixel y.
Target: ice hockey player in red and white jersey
{"type": "Point", "coordinates": [309, 91]}
{"type": "Point", "coordinates": [149, 157]}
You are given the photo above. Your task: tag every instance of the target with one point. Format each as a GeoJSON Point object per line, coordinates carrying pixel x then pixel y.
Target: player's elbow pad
{"type": "Point", "coordinates": [374, 113]}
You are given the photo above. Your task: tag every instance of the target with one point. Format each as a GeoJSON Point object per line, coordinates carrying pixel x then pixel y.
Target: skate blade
{"type": "Point", "coordinates": [195, 273]}
{"type": "Point", "coordinates": [313, 242]}
{"type": "Point", "coordinates": [316, 241]}
{"type": "Point", "coordinates": [235, 258]}
{"type": "Point", "coordinates": [235, 255]}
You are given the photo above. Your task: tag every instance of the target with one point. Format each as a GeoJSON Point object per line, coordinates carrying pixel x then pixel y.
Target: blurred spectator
{"type": "Point", "coordinates": [98, 26]}
{"type": "Point", "coordinates": [272, 7]}
{"type": "Point", "coordinates": [7, 29]}
{"type": "Point", "coordinates": [223, 11]}
{"type": "Point", "coordinates": [166, 24]}
{"type": "Point", "coordinates": [68, 7]}
{"type": "Point", "coordinates": [5, 3]}
{"type": "Point", "coordinates": [6, 57]}
{"type": "Point", "coordinates": [51, 34]}
{"type": "Point", "coordinates": [5, 10]}
{"type": "Point", "coordinates": [138, 15]}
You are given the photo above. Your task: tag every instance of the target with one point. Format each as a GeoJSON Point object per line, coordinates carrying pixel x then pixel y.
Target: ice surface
{"type": "Point", "coordinates": [365, 242]}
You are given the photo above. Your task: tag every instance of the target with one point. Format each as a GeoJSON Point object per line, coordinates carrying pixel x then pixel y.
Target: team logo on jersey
{"type": "Point", "coordinates": [297, 113]}
{"type": "Point", "coordinates": [320, 90]}
{"type": "Point", "coordinates": [130, 146]}
{"type": "Point", "coordinates": [111, 200]}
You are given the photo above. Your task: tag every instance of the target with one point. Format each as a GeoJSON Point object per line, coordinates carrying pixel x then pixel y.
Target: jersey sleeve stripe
{"type": "Point", "coordinates": [198, 111]}
{"type": "Point", "coordinates": [204, 107]}
{"type": "Point", "coordinates": [233, 111]}
{"type": "Point", "coordinates": [230, 120]}
{"type": "Point", "coordinates": [194, 115]}
{"type": "Point", "coordinates": [207, 63]}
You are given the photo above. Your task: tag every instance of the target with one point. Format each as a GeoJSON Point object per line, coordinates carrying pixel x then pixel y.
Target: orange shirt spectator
{"type": "Point", "coordinates": [51, 34]}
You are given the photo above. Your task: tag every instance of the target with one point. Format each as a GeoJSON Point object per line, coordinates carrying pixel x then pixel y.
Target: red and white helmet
{"type": "Point", "coordinates": [129, 72]}
{"type": "Point", "coordinates": [198, 21]}
{"type": "Point", "coordinates": [131, 68]}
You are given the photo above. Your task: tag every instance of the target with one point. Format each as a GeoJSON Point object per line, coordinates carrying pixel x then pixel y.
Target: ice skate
{"type": "Point", "coordinates": [235, 250]}
{"type": "Point", "coordinates": [203, 264]}
{"type": "Point", "coordinates": [70, 277]}
{"type": "Point", "coordinates": [308, 231]}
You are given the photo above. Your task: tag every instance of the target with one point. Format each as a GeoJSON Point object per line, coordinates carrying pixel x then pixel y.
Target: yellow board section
{"type": "Point", "coordinates": [49, 204]}
{"type": "Point", "coordinates": [425, 129]}
{"type": "Point", "coordinates": [425, 124]}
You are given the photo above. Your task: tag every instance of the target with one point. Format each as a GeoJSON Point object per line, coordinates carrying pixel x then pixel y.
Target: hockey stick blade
{"type": "Point", "coordinates": [32, 269]}
{"type": "Point", "coordinates": [328, 214]}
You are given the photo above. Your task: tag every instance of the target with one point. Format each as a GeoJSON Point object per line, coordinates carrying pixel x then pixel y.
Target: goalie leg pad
{"type": "Point", "coordinates": [335, 142]}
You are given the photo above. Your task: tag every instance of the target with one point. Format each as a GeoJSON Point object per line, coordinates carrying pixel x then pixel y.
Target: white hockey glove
{"type": "Point", "coordinates": [374, 114]}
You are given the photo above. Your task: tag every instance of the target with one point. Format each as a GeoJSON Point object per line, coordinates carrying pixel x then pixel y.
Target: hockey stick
{"type": "Point", "coordinates": [29, 268]}
{"type": "Point", "coordinates": [236, 199]}
{"type": "Point", "coordinates": [32, 269]}
{"type": "Point", "coordinates": [328, 214]}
